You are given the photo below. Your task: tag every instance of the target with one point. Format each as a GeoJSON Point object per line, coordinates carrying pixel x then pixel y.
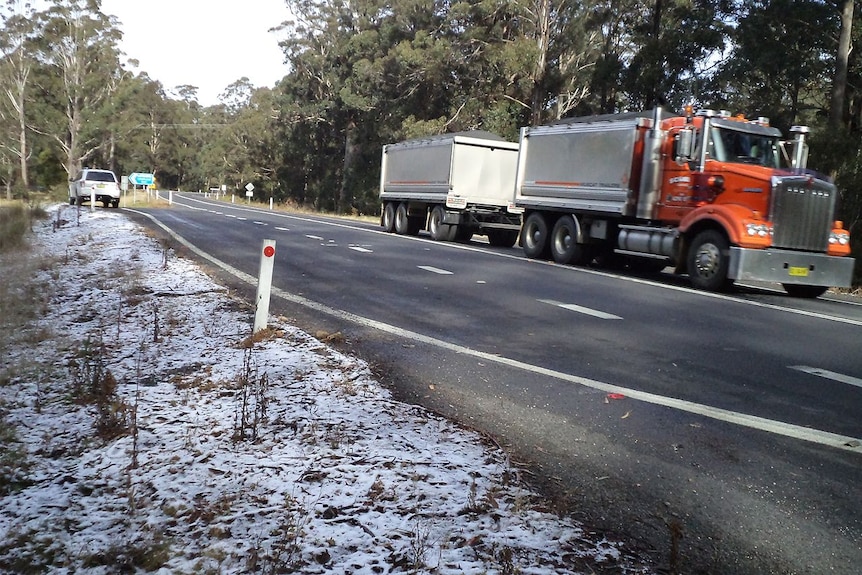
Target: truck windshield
{"type": "Point", "coordinates": [743, 148]}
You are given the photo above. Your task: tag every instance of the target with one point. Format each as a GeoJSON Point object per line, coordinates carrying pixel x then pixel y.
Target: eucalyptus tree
{"type": "Point", "coordinates": [80, 69]}
{"type": "Point", "coordinates": [16, 63]}
{"type": "Point", "coordinates": [672, 43]}
{"type": "Point", "coordinates": [354, 65]}
{"type": "Point", "coordinates": [782, 59]}
{"type": "Point", "coordinates": [837, 104]}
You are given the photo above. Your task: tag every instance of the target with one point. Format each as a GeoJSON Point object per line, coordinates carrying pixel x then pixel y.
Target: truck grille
{"type": "Point", "coordinates": [803, 209]}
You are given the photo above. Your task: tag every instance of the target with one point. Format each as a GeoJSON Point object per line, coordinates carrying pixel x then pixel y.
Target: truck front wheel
{"type": "Point", "coordinates": [534, 236]}
{"type": "Point", "coordinates": [708, 260]}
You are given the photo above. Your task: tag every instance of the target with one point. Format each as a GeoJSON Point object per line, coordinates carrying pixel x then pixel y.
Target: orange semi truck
{"type": "Point", "coordinates": [716, 196]}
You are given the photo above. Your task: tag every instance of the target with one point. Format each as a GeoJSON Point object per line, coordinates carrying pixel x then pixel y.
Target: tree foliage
{"type": "Point", "coordinates": [364, 73]}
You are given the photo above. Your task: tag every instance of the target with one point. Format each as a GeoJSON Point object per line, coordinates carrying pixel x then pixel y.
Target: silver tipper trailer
{"type": "Point", "coordinates": [588, 167]}
{"type": "Point", "coordinates": [456, 185]}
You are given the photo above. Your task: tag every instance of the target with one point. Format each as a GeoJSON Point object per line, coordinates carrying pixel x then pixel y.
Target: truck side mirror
{"type": "Point", "coordinates": [684, 146]}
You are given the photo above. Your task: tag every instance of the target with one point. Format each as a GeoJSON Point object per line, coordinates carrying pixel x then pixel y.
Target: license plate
{"type": "Point", "coordinates": [798, 272]}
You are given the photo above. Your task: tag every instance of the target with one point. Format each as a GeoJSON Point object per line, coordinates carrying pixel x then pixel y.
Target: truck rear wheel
{"type": "Point", "coordinates": [402, 220]}
{"type": "Point", "coordinates": [708, 260]}
{"type": "Point", "coordinates": [388, 220]}
{"type": "Point", "coordinates": [534, 236]}
{"type": "Point", "coordinates": [439, 231]}
{"type": "Point", "coordinates": [564, 241]}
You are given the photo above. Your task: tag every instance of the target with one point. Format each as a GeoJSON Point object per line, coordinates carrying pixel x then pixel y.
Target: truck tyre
{"type": "Point", "coordinates": [564, 241]}
{"type": "Point", "coordinates": [115, 203]}
{"type": "Point", "coordinates": [534, 236]}
{"type": "Point", "coordinates": [72, 201]}
{"type": "Point", "coordinates": [388, 220]}
{"type": "Point", "coordinates": [502, 238]}
{"type": "Point", "coordinates": [809, 292]}
{"type": "Point", "coordinates": [439, 231]}
{"type": "Point", "coordinates": [402, 220]}
{"type": "Point", "coordinates": [708, 260]}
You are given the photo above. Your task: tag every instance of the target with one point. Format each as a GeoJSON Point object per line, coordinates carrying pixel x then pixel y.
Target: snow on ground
{"type": "Point", "coordinates": [153, 436]}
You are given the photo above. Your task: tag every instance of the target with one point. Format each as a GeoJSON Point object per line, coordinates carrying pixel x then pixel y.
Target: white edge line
{"type": "Point", "coordinates": [842, 442]}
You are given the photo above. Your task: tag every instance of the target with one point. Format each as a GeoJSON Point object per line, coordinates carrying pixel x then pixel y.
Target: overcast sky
{"type": "Point", "coordinates": [203, 43]}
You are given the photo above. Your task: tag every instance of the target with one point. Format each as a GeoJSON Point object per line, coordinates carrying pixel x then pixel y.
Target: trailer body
{"type": "Point", "coordinates": [454, 184]}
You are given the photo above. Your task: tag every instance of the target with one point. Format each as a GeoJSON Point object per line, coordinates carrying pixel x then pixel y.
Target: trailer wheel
{"type": "Point", "coordinates": [402, 220]}
{"type": "Point", "coordinates": [439, 231]}
{"type": "Point", "coordinates": [388, 221]}
{"type": "Point", "coordinates": [708, 260]}
{"type": "Point", "coordinates": [534, 236]}
{"type": "Point", "coordinates": [810, 292]}
{"type": "Point", "coordinates": [564, 241]}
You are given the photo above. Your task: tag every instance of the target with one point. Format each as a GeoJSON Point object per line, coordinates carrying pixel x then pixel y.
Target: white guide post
{"type": "Point", "coordinates": [264, 285]}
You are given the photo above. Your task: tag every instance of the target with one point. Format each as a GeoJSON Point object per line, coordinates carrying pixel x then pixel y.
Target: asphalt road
{"type": "Point", "coordinates": [716, 433]}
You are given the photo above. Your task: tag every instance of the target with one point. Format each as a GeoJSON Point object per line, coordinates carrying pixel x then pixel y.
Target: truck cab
{"type": "Point", "coordinates": [740, 179]}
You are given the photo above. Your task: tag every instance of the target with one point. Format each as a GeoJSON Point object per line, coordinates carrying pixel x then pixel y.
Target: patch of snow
{"type": "Point", "coordinates": [219, 454]}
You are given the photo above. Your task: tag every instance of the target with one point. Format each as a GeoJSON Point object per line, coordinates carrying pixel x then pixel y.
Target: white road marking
{"type": "Point", "coordinates": [580, 309]}
{"type": "Point", "coordinates": [839, 377]}
{"type": "Point", "coordinates": [260, 223]}
{"type": "Point", "coordinates": [314, 237]}
{"type": "Point", "coordinates": [361, 249]}
{"type": "Point", "coordinates": [242, 219]}
{"type": "Point", "coordinates": [827, 438]}
{"type": "Point", "coordinates": [434, 270]}
{"type": "Point", "coordinates": [282, 229]}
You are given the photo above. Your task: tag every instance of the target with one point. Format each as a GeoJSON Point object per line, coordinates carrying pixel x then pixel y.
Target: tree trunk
{"type": "Point", "coordinates": [543, 39]}
{"type": "Point", "coordinates": [351, 151]}
{"type": "Point", "coordinates": [839, 84]}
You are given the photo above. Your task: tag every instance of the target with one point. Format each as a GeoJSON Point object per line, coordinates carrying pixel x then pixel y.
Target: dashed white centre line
{"type": "Point", "coordinates": [434, 270]}
{"type": "Point", "coordinates": [580, 309]}
{"type": "Point", "coordinates": [282, 229]}
{"type": "Point", "coordinates": [361, 249]}
{"type": "Point", "coordinates": [260, 223]}
{"type": "Point", "coordinates": [314, 237]}
{"type": "Point", "coordinates": [840, 377]}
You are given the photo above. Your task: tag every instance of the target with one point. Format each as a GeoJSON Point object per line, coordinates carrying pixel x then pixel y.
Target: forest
{"type": "Point", "coordinates": [364, 73]}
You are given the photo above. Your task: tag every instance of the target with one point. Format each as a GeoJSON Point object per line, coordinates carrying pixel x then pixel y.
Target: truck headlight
{"type": "Point", "coordinates": [840, 238]}
{"type": "Point", "coordinates": [757, 230]}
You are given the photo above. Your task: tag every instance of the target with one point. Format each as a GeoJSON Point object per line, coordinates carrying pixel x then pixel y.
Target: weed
{"type": "Point", "coordinates": [16, 220]}
{"type": "Point", "coordinates": [14, 465]}
{"type": "Point", "coordinates": [285, 555]}
{"type": "Point", "coordinates": [148, 554]}
{"type": "Point", "coordinates": [93, 383]}
{"type": "Point", "coordinates": [253, 400]}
